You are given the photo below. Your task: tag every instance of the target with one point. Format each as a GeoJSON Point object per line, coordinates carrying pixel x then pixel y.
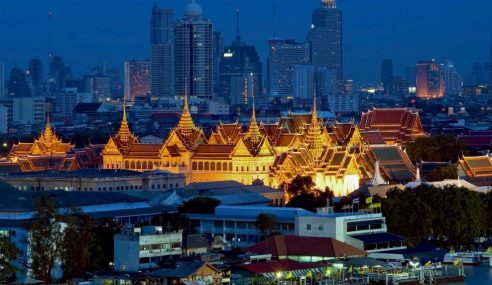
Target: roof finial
{"type": "Point", "coordinates": [417, 175]}
{"type": "Point", "coordinates": [185, 124]}
{"type": "Point", "coordinates": [254, 130]}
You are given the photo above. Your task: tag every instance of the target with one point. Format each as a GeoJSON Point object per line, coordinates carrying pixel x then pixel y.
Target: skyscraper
{"type": "Point", "coordinates": [240, 63]}
{"type": "Point", "coordinates": [490, 64]}
{"type": "Point", "coordinates": [386, 73]}
{"type": "Point", "coordinates": [193, 46]}
{"type": "Point", "coordinates": [430, 80]}
{"type": "Point", "coordinates": [36, 76]}
{"type": "Point", "coordinates": [452, 79]}
{"type": "Point", "coordinates": [137, 79]}
{"type": "Point", "coordinates": [2, 81]}
{"type": "Point", "coordinates": [17, 85]}
{"type": "Point", "coordinates": [284, 54]}
{"type": "Point", "coordinates": [325, 37]}
{"type": "Point", "coordinates": [57, 77]}
{"type": "Point", "coordinates": [162, 52]}
{"type": "Point", "coordinates": [218, 42]}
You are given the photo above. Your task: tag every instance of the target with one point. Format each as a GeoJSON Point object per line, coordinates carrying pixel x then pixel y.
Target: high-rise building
{"type": "Point", "coordinates": [344, 100]}
{"type": "Point", "coordinates": [218, 42]}
{"type": "Point", "coordinates": [430, 80]}
{"type": "Point", "coordinates": [193, 46]}
{"type": "Point", "coordinates": [137, 79]}
{"type": "Point", "coordinates": [452, 79]}
{"type": "Point", "coordinates": [283, 56]}
{"type": "Point", "coordinates": [99, 86]}
{"type": "Point", "coordinates": [2, 81]}
{"type": "Point", "coordinates": [325, 37]}
{"type": "Point", "coordinates": [240, 65]}
{"type": "Point", "coordinates": [304, 79]}
{"type": "Point", "coordinates": [18, 85]}
{"type": "Point", "coordinates": [57, 78]}
{"type": "Point", "coordinates": [162, 52]}
{"type": "Point", "coordinates": [490, 64]}
{"type": "Point", "coordinates": [386, 73]}
{"type": "Point", "coordinates": [411, 75]}
{"type": "Point", "coordinates": [35, 74]}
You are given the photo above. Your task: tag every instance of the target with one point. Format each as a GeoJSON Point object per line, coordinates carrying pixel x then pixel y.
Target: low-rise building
{"type": "Point", "coordinates": [238, 225]}
{"type": "Point", "coordinates": [142, 248]}
{"type": "Point", "coordinates": [104, 180]}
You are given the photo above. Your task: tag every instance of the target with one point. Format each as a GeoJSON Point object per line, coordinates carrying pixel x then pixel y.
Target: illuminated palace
{"type": "Point", "coordinates": [338, 157]}
{"type": "Point", "coordinates": [49, 152]}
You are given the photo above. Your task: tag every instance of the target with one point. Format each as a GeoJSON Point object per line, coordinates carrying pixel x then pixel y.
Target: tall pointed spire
{"type": "Point", "coordinates": [417, 175]}
{"type": "Point", "coordinates": [377, 179]}
{"type": "Point", "coordinates": [48, 135]}
{"type": "Point", "coordinates": [185, 124]}
{"type": "Point", "coordinates": [124, 133]}
{"type": "Point", "coordinates": [254, 131]}
{"type": "Point", "coordinates": [313, 137]}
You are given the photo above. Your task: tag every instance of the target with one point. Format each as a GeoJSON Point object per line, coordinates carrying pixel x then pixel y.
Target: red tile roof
{"type": "Point", "coordinates": [305, 246]}
{"type": "Point", "coordinates": [279, 266]}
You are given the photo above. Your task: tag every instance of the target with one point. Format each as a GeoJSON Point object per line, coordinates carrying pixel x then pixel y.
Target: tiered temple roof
{"type": "Point", "coordinates": [476, 169]}
{"type": "Point", "coordinates": [399, 125]}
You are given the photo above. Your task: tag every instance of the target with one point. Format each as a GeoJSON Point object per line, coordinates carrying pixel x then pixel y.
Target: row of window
{"type": "Point", "coordinates": [222, 166]}
{"type": "Point", "coordinates": [110, 188]}
{"type": "Point", "coordinates": [159, 246]}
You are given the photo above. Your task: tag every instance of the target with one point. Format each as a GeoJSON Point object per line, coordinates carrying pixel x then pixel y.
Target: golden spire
{"type": "Point", "coordinates": [124, 132]}
{"type": "Point", "coordinates": [48, 134]}
{"type": "Point", "coordinates": [254, 131]}
{"type": "Point", "coordinates": [186, 125]}
{"type": "Point", "coordinates": [313, 137]}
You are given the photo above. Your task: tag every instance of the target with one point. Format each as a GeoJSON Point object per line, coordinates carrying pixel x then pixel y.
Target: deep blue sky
{"type": "Point", "coordinates": [88, 32]}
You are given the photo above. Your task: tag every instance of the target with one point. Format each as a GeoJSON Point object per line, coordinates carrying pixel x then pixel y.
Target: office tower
{"type": "Point", "coordinates": [36, 76]}
{"type": "Point", "coordinates": [99, 86]}
{"type": "Point", "coordinates": [137, 79]}
{"type": "Point", "coordinates": [162, 52]}
{"type": "Point", "coordinates": [243, 89]}
{"type": "Point", "coordinates": [4, 120]}
{"type": "Point", "coordinates": [18, 85]}
{"type": "Point", "coordinates": [325, 37]}
{"type": "Point", "coordinates": [218, 42]}
{"type": "Point", "coordinates": [2, 81]}
{"type": "Point", "coordinates": [344, 99]}
{"type": "Point", "coordinates": [411, 75]}
{"type": "Point", "coordinates": [304, 83]}
{"type": "Point", "coordinates": [430, 80]}
{"type": "Point", "coordinates": [283, 55]}
{"type": "Point", "coordinates": [240, 63]}
{"type": "Point", "coordinates": [193, 46]}
{"type": "Point", "coordinates": [398, 87]}
{"type": "Point", "coordinates": [386, 73]}
{"type": "Point", "coordinates": [57, 78]}
{"type": "Point", "coordinates": [452, 79]}
{"type": "Point", "coordinates": [490, 64]}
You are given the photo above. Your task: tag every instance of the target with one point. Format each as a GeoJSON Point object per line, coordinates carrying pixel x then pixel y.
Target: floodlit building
{"type": "Point", "coordinates": [430, 80]}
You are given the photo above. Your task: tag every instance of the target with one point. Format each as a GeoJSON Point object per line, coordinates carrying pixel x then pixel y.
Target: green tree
{"type": "Point", "coordinates": [267, 224]}
{"type": "Point", "coordinates": [200, 205]}
{"type": "Point", "coordinates": [443, 172]}
{"type": "Point", "coordinates": [103, 248]}
{"type": "Point", "coordinates": [311, 201]}
{"type": "Point", "coordinates": [407, 215]}
{"type": "Point", "coordinates": [77, 246]}
{"type": "Point", "coordinates": [436, 148]}
{"type": "Point", "coordinates": [45, 239]}
{"type": "Point", "coordinates": [174, 222]}
{"type": "Point", "coordinates": [299, 185]}
{"type": "Point", "coordinates": [8, 252]}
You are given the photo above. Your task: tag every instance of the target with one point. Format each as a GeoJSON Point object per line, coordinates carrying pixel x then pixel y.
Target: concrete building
{"type": "Point", "coordinates": [100, 87]}
{"type": "Point", "coordinates": [4, 127]}
{"type": "Point", "coordinates": [193, 49]}
{"type": "Point", "coordinates": [452, 79]}
{"type": "Point", "coordinates": [304, 83]}
{"type": "Point", "coordinates": [237, 225]}
{"type": "Point", "coordinates": [30, 110]}
{"type": "Point", "coordinates": [430, 80]}
{"type": "Point", "coordinates": [162, 53]}
{"type": "Point", "coordinates": [344, 99]}
{"type": "Point", "coordinates": [101, 180]}
{"type": "Point", "coordinates": [143, 248]}
{"type": "Point", "coordinates": [387, 73]}
{"type": "Point", "coordinates": [325, 37]}
{"type": "Point", "coordinates": [36, 76]}
{"type": "Point", "coordinates": [2, 81]}
{"type": "Point", "coordinates": [283, 56]}
{"type": "Point", "coordinates": [137, 79]}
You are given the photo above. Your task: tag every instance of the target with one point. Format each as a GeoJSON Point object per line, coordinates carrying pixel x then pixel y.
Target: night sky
{"type": "Point", "coordinates": [88, 32]}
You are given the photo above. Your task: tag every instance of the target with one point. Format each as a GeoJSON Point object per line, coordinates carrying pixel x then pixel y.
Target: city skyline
{"type": "Point", "coordinates": [448, 31]}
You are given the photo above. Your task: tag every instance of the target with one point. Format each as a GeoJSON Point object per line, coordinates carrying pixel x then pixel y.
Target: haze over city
{"type": "Point", "coordinates": [87, 33]}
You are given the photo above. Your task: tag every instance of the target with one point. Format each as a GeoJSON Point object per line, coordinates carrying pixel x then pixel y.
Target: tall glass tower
{"type": "Point", "coordinates": [325, 37]}
{"type": "Point", "coordinates": [193, 49]}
